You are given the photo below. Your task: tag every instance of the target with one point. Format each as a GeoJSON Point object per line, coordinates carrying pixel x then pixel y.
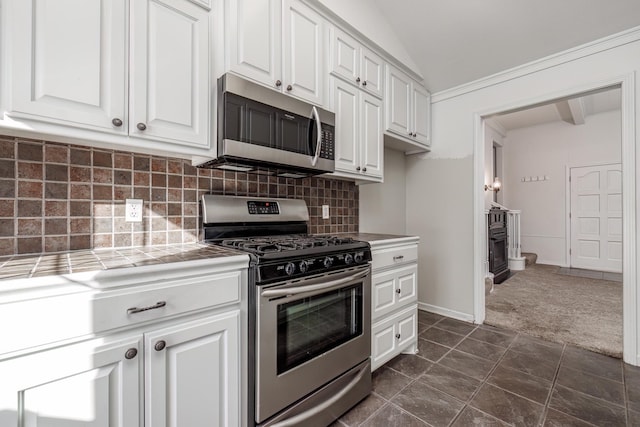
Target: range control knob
{"type": "Point", "coordinates": [303, 266]}
{"type": "Point", "coordinates": [359, 257]}
{"type": "Point", "coordinates": [290, 268]}
{"type": "Point", "coordinates": [348, 259]}
{"type": "Point", "coordinates": [328, 262]}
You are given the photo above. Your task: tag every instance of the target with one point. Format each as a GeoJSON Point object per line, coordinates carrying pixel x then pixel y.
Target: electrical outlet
{"type": "Point", "coordinates": [133, 210]}
{"type": "Point", "coordinates": [325, 211]}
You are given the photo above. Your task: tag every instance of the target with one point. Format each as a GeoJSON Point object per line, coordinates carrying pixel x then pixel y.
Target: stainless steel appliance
{"type": "Point", "coordinates": [309, 310]}
{"type": "Point", "coordinates": [265, 130]}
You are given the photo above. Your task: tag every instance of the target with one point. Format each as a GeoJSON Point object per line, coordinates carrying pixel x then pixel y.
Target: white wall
{"type": "Point", "coordinates": [548, 150]}
{"type": "Point", "coordinates": [440, 184]}
{"type": "Point", "coordinates": [382, 205]}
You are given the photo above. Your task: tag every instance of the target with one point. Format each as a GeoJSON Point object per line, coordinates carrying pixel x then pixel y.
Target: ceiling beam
{"type": "Point", "coordinates": [571, 111]}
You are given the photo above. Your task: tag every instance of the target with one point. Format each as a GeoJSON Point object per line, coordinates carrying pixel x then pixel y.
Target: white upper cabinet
{"type": "Point", "coordinates": [408, 108]}
{"type": "Point", "coordinates": [359, 146]}
{"type": "Point", "coordinates": [124, 68]}
{"type": "Point", "coordinates": [169, 71]}
{"type": "Point", "coordinates": [254, 43]}
{"type": "Point", "coordinates": [68, 62]}
{"type": "Point", "coordinates": [355, 63]}
{"type": "Point", "coordinates": [278, 43]}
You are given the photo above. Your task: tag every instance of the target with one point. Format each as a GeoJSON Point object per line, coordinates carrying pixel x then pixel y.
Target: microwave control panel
{"type": "Point", "coordinates": [328, 143]}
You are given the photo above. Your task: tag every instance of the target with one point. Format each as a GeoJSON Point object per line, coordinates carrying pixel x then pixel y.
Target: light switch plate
{"type": "Point", "coordinates": [133, 210]}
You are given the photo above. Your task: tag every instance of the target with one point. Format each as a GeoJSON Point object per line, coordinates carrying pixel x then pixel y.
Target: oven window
{"type": "Point", "coordinates": [311, 326]}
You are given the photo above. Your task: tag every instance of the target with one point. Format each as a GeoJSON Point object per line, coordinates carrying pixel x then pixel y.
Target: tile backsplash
{"type": "Point", "coordinates": [58, 197]}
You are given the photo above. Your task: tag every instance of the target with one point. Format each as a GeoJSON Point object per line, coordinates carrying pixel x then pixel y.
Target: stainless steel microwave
{"type": "Point", "coordinates": [260, 129]}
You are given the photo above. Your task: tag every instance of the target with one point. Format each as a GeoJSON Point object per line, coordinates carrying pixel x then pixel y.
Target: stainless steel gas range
{"type": "Point", "coordinates": [309, 310]}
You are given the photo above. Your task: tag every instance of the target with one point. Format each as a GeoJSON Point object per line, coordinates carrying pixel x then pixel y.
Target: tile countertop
{"type": "Point", "coordinates": [63, 263]}
{"type": "Point", "coordinates": [377, 239]}
{"type": "Point", "coordinates": [25, 277]}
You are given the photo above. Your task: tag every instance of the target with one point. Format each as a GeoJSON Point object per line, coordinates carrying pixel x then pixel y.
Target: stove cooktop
{"type": "Point", "coordinates": [264, 245]}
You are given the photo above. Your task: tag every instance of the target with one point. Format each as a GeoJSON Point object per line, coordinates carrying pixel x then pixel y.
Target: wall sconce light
{"type": "Point", "coordinates": [495, 186]}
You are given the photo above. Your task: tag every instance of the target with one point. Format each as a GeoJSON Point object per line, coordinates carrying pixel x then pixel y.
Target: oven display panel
{"type": "Point", "coordinates": [263, 208]}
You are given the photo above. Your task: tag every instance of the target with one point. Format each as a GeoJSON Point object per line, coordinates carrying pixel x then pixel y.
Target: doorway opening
{"type": "Point", "coordinates": [545, 148]}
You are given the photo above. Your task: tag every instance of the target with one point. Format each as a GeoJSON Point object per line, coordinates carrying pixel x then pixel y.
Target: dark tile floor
{"type": "Point", "coordinates": [468, 375]}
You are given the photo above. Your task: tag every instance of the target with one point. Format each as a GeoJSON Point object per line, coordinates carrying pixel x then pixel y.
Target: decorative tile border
{"type": "Point", "coordinates": [58, 197]}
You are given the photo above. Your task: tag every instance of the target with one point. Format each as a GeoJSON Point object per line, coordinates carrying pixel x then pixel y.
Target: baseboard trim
{"type": "Point", "coordinates": [465, 317]}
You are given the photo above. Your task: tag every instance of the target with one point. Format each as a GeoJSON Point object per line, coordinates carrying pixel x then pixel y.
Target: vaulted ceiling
{"type": "Point", "coordinates": [458, 41]}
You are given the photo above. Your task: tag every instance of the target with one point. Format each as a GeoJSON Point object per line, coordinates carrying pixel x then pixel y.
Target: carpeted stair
{"type": "Point", "coordinates": [529, 258]}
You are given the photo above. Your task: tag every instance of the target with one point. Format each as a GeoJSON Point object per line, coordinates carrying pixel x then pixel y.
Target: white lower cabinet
{"type": "Point", "coordinates": [95, 383]}
{"type": "Point", "coordinates": [393, 335]}
{"type": "Point", "coordinates": [179, 362]}
{"type": "Point", "coordinates": [191, 373]}
{"type": "Point", "coordinates": [394, 296]}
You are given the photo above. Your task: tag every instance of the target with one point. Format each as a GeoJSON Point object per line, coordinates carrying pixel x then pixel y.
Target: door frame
{"type": "Point", "coordinates": [567, 206]}
{"type": "Point", "coordinates": [631, 295]}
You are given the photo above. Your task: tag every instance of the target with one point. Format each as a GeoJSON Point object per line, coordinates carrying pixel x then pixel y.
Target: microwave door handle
{"type": "Point", "coordinates": [316, 116]}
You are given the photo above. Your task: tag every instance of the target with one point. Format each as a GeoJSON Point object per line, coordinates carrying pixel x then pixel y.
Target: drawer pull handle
{"type": "Point", "coordinates": [398, 257]}
{"type": "Point", "coordinates": [159, 304]}
{"type": "Point", "coordinates": [131, 353]}
{"type": "Point", "coordinates": [160, 345]}
{"type": "Point", "coordinates": [398, 336]}
{"type": "Point", "coordinates": [398, 291]}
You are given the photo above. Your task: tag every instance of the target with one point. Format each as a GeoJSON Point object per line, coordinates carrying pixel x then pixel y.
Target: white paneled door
{"type": "Point", "coordinates": [596, 217]}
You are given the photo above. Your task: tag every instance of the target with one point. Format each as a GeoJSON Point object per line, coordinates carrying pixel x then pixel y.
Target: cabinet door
{"type": "Point", "coordinates": [304, 71]}
{"type": "Point", "coordinates": [371, 135]}
{"type": "Point", "coordinates": [398, 99]}
{"type": "Point", "coordinates": [170, 72]}
{"type": "Point", "coordinates": [88, 384]}
{"type": "Point", "coordinates": [407, 284]}
{"type": "Point", "coordinates": [254, 40]}
{"type": "Point", "coordinates": [69, 62]}
{"type": "Point", "coordinates": [371, 72]}
{"type": "Point", "coordinates": [345, 56]}
{"type": "Point", "coordinates": [421, 115]}
{"type": "Point", "coordinates": [345, 106]}
{"type": "Point", "coordinates": [192, 373]}
{"type": "Point", "coordinates": [383, 344]}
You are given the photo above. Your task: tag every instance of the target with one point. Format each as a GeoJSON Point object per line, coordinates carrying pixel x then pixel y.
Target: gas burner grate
{"type": "Point", "coordinates": [262, 245]}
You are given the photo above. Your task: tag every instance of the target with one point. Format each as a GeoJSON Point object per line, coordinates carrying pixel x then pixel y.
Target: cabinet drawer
{"type": "Point", "coordinates": [394, 256]}
{"type": "Point", "coordinates": [392, 336]}
{"type": "Point", "coordinates": [137, 305]}
{"type": "Point", "coordinates": [393, 289]}
{"type": "Point", "coordinates": [47, 320]}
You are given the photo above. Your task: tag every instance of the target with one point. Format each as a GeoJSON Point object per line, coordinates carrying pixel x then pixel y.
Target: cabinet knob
{"type": "Point", "coordinates": [364, 83]}
{"type": "Point", "coordinates": [358, 168]}
{"type": "Point", "coordinates": [410, 133]}
{"type": "Point", "coordinates": [289, 87]}
{"type": "Point", "coordinates": [398, 291]}
{"type": "Point", "coordinates": [141, 126]}
{"type": "Point", "coordinates": [398, 336]}
{"type": "Point", "coordinates": [358, 80]}
{"type": "Point", "coordinates": [131, 353]}
{"type": "Point", "coordinates": [160, 345]}
{"type": "Point", "coordinates": [278, 83]}
{"type": "Point", "coordinates": [116, 122]}
{"type": "Point", "coordinates": [414, 134]}
{"type": "Point", "coordinates": [364, 169]}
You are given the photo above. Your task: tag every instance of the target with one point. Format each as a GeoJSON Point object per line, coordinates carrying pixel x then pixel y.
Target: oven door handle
{"type": "Point", "coordinates": [295, 420]}
{"type": "Point", "coordinates": [310, 288]}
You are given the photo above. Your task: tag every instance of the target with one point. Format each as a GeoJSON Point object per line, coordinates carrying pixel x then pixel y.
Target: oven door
{"type": "Point", "coordinates": [308, 333]}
